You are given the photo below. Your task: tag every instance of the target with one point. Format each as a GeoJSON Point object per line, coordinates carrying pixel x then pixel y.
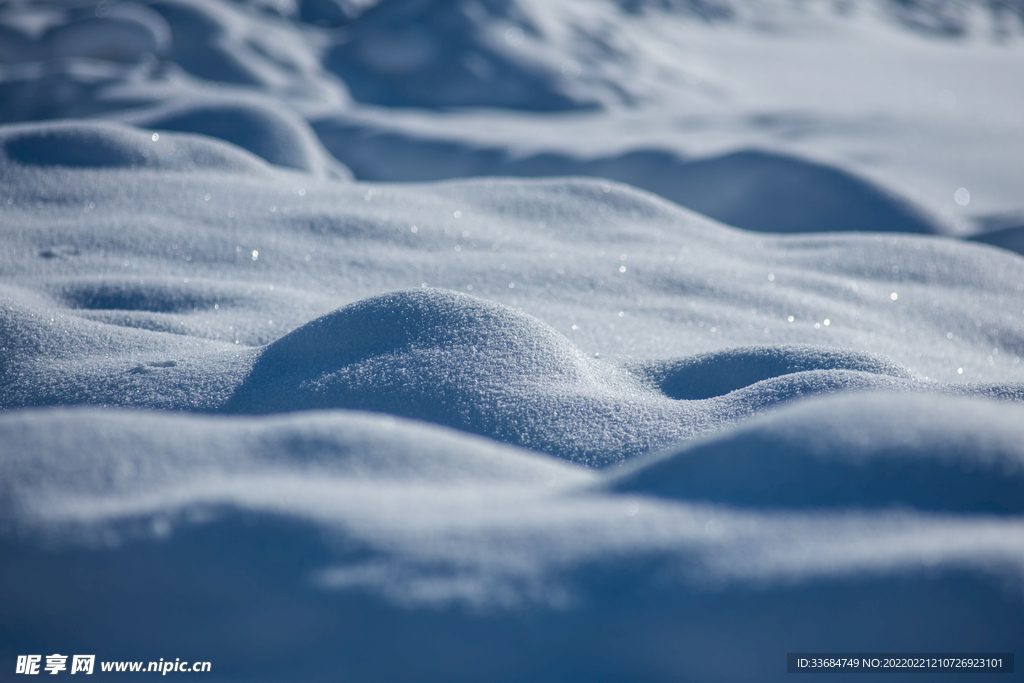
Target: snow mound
{"type": "Point", "coordinates": [124, 32]}
{"type": "Point", "coordinates": [88, 144]}
{"type": "Point", "coordinates": [771, 192]}
{"type": "Point", "coordinates": [721, 372]}
{"type": "Point", "coordinates": [443, 54]}
{"type": "Point", "coordinates": [59, 62]}
{"type": "Point", "coordinates": [867, 450]}
{"type": "Point", "coordinates": [265, 128]}
{"type": "Point", "coordinates": [118, 453]}
{"type": "Point", "coordinates": [455, 360]}
{"type": "Point", "coordinates": [219, 41]}
{"type": "Point", "coordinates": [432, 355]}
{"type": "Point", "coordinates": [344, 526]}
{"type": "Point", "coordinates": [751, 189]}
{"type": "Point", "coordinates": [109, 364]}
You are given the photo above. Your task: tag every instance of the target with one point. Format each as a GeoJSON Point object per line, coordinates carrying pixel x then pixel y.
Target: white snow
{"type": "Point", "coordinates": [547, 341]}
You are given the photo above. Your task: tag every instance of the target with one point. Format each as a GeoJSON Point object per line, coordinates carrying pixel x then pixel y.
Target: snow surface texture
{"type": "Point", "coordinates": [276, 398]}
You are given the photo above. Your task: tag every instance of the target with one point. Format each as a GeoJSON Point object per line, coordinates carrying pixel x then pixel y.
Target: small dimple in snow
{"type": "Point", "coordinates": [145, 367]}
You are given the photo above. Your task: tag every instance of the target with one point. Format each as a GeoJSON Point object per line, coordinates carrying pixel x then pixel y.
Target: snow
{"type": "Point", "coordinates": [569, 340]}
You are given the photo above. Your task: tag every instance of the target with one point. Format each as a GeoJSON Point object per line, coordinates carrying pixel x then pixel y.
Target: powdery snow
{"type": "Point", "coordinates": [291, 382]}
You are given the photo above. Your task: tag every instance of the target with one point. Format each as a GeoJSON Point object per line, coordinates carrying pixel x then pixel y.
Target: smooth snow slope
{"type": "Point", "coordinates": [273, 397]}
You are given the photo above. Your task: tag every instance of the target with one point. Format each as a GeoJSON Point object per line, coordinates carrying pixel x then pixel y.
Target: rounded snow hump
{"type": "Point", "coordinates": [94, 144]}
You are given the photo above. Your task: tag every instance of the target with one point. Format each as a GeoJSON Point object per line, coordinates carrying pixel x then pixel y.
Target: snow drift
{"type": "Point", "coordinates": [372, 340]}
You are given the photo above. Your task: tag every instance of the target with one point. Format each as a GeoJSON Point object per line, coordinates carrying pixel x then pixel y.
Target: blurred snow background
{"type": "Point", "coordinates": [810, 104]}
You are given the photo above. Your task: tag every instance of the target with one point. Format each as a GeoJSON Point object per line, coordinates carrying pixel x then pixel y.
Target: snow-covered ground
{"type": "Point", "coordinates": [510, 340]}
